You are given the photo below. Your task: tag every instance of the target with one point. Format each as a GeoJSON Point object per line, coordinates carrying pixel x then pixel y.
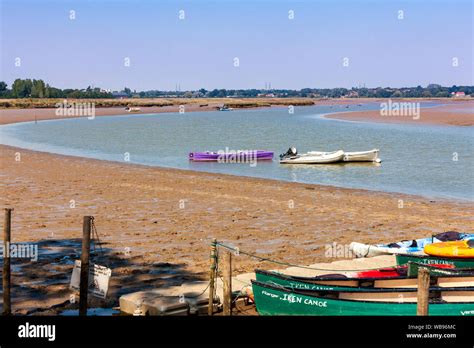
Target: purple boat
{"type": "Point", "coordinates": [241, 156]}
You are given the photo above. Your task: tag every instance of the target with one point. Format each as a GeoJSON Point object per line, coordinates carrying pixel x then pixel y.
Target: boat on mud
{"type": "Point", "coordinates": [406, 246]}
{"type": "Point", "coordinates": [458, 262]}
{"type": "Point", "coordinates": [385, 278]}
{"type": "Point", "coordinates": [273, 299]}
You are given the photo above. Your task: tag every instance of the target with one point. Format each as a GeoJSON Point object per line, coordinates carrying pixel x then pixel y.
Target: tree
{"type": "Point", "coordinates": [396, 94]}
{"type": "Point", "coordinates": [22, 88]}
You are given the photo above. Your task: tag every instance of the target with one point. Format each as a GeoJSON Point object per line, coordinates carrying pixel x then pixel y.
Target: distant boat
{"type": "Point", "coordinates": [132, 109]}
{"type": "Point", "coordinates": [225, 108]}
{"type": "Point", "coordinates": [291, 157]}
{"type": "Point", "coordinates": [231, 156]}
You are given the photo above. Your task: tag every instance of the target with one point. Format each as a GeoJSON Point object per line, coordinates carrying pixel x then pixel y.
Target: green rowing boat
{"type": "Point", "coordinates": [277, 300]}
{"type": "Point", "coordinates": [403, 259]}
{"type": "Point", "coordinates": [414, 267]}
{"type": "Point", "coordinates": [451, 278]}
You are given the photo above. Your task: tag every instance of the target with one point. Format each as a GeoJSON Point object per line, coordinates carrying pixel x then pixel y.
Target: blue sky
{"type": "Point", "coordinates": [199, 51]}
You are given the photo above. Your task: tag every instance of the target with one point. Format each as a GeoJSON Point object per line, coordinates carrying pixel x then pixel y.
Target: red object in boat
{"type": "Point", "coordinates": [390, 272]}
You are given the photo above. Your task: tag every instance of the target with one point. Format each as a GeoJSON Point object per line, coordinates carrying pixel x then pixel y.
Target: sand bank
{"type": "Point", "coordinates": [453, 114]}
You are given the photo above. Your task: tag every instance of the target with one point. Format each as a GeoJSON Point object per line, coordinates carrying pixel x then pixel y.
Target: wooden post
{"type": "Point", "coordinates": [7, 309]}
{"type": "Point", "coordinates": [423, 291]}
{"type": "Point", "coordinates": [227, 280]}
{"type": "Point", "coordinates": [212, 277]}
{"type": "Point", "coordinates": [84, 285]}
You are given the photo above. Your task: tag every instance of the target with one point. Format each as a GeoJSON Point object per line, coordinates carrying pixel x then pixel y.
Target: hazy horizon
{"type": "Point", "coordinates": [325, 45]}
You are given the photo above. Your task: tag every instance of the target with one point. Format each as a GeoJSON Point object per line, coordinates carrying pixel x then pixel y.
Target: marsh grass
{"type": "Point", "coordinates": [41, 103]}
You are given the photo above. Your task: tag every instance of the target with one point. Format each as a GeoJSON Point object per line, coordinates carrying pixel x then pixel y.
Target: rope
{"type": "Point", "coordinates": [96, 233]}
{"type": "Point", "coordinates": [237, 250]}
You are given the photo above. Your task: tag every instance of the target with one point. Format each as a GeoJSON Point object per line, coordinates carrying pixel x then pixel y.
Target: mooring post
{"type": "Point", "coordinates": [423, 293]}
{"type": "Point", "coordinates": [212, 276]}
{"type": "Point", "coordinates": [6, 281]}
{"type": "Point", "coordinates": [227, 280]}
{"type": "Point", "coordinates": [84, 285]}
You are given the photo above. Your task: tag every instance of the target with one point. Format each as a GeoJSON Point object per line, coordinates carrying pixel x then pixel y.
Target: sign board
{"type": "Point", "coordinates": [99, 277]}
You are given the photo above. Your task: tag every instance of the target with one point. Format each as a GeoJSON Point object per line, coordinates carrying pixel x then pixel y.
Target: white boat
{"type": "Point", "coordinates": [405, 246]}
{"type": "Point", "coordinates": [313, 158]}
{"type": "Point", "coordinates": [362, 156]}
{"type": "Point", "coordinates": [132, 109]}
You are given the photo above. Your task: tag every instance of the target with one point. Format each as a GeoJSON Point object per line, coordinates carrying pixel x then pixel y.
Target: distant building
{"type": "Point", "coordinates": [458, 94]}
{"type": "Point", "coordinates": [352, 94]}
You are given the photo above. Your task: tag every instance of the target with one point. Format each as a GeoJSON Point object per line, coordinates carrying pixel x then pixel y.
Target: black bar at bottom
{"type": "Point", "coordinates": [433, 331]}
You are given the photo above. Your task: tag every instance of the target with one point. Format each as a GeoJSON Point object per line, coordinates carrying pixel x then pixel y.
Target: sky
{"type": "Point", "coordinates": [325, 44]}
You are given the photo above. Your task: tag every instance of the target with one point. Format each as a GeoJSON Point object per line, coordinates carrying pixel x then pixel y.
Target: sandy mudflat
{"type": "Point", "coordinates": [459, 113]}
{"type": "Point", "coordinates": [24, 115]}
{"type": "Point", "coordinates": [156, 223]}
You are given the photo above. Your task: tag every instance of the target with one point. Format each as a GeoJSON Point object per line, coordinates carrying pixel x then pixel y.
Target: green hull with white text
{"type": "Point", "coordinates": [403, 259]}
{"type": "Point", "coordinates": [276, 300]}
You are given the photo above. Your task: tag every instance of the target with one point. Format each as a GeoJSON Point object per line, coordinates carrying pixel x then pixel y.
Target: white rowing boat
{"type": "Point", "coordinates": [359, 156]}
{"type": "Point", "coordinates": [312, 158]}
{"type": "Point", "coordinates": [362, 156]}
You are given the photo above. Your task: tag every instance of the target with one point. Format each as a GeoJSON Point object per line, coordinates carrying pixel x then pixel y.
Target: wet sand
{"type": "Point", "coordinates": [24, 115]}
{"type": "Point", "coordinates": [454, 114]}
{"type": "Point", "coordinates": [156, 224]}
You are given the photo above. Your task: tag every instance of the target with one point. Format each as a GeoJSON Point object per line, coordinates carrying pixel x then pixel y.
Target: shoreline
{"type": "Point", "coordinates": [451, 114]}
{"type": "Point", "coordinates": [347, 116]}
{"type": "Point", "coordinates": [430, 198]}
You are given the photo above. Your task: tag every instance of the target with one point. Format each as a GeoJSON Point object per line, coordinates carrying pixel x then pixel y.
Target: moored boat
{"type": "Point", "coordinates": [359, 156]}
{"type": "Point", "coordinates": [406, 246]}
{"type": "Point", "coordinates": [397, 278]}
{"type": "Point", "coordinates": [307, 158]}
{"type": "Point", "coordinates": [279, 300]}
{"type": "Point", "coordinates": [362, 156]}
{"type": "Point", "coordinates": [231, 156]}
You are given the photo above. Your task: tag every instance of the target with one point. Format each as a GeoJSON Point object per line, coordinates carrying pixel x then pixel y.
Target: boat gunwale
{"type": "Point", "coordinates": [302, 292]}
{"type": "Point", "coordinates": [444, 258]}
{"type": "Point", "coordinates": [308, 279]}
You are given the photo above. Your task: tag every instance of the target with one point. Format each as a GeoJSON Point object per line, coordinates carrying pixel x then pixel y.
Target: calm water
{"type": "Point", "coordinates": [415, 159]}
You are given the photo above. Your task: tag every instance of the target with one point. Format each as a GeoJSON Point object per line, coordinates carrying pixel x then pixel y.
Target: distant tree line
{"type": "Point", "coordinates": [28, 88]}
